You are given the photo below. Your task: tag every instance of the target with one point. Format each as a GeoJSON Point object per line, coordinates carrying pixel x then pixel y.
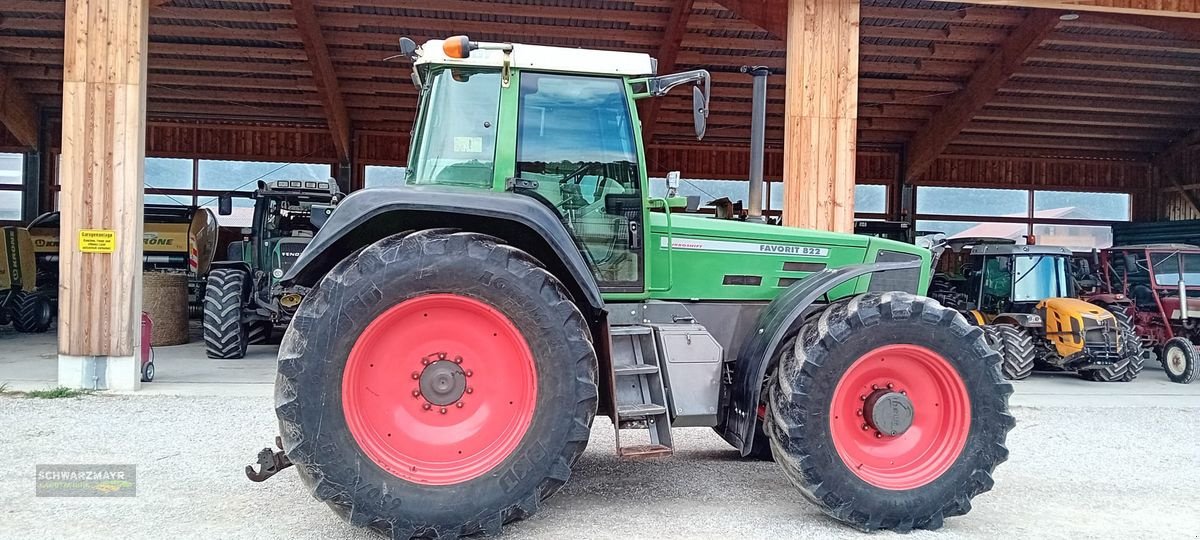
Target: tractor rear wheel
{"type": "Point", "coordinates": [32, 313]}
{"type": "Point", "coordinates": [224, 334]}
{"type": "Point", "coordinates": [1017, 350]}
{"type": "Point", "coordinates": [864, 374]}
{"type": "Point", "coordinates": [259, 332]}
{"type": "Point", "coordinates": [1179, 360]}
{"type": "Point", "coordinates": [435, 385]}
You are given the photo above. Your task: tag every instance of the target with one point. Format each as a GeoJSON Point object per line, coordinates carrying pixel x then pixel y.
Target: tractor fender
{"type": "Point", "coordinates": [1023, 320]}
{"type": "Point", "coordinates": [1109, 299]}
{"type": "Point", "coordinates": [230, 264]}
{"type": "Point", "coordinates": [366, 216]}
{"type": "Point", "coordinates": [782, 317]}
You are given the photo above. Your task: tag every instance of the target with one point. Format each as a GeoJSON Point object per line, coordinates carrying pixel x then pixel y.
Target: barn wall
{"type": "Point", "coordinates": [1183, 164]}
{"type": "Point", "coordinates": [9, 143]}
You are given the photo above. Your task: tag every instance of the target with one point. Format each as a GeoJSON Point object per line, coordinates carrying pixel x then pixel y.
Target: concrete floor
{"type": "Point", "coordinates": [1088, 460]}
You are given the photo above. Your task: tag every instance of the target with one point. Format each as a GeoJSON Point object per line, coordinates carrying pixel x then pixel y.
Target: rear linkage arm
{"type": "Point", "coordinates": [269, 462]}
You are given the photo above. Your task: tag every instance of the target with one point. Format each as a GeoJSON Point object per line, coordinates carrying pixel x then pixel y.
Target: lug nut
{"type": "Point", "coordinates": [441, 356]}
{"type": "Point", "coordinates": [416, 375]}
{"type": "Point", "coordinates": [878, 435]}
{"type": "Point", "coordinates": [890, 386]}
{"type": "Point", "coordinates": [457, 359]}
{"type": "Point", "coordinates": [874, 387]}
{"type": "Point", "coordinates": [469, 389]}
{"type": "Point", "coordinates": [442, 410]}
{"type": "Point", "coordinates": [866, 427]}
{"type": "Point", "coordinates": [862, 398]}
{"type": "Point", "coordinates": [427, 406]}
{"type": "Point", "coordinates": [469, 373]}
{"type": "Point", "coordinates": [459, 404]}
{"type": "Point", "coordinates": [903, 393]}
{"type": "Point", "coordinates": [858, 412]}
{"type": "Point", "coordinates": [416, 393]}
{"type": "Point", "coordinates": [424, 361]}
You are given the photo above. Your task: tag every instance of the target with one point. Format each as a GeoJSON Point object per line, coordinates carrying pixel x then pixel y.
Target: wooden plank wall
{"type": "Point", "coordinates": [1170, 204]}
{"type": "Point", "coordinates": [8, 142]}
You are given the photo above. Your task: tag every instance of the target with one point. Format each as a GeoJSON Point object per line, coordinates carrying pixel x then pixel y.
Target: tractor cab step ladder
{"type": "Point", "coordinates": [639, 394]}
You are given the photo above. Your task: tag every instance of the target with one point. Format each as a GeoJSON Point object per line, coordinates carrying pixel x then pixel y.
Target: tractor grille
{"type": "Point", "coordinates": [895, 280]}
{"type": "Point", "coordinates": [289, 251]}
{"type": "Point", "coordinates": [1102, 341]}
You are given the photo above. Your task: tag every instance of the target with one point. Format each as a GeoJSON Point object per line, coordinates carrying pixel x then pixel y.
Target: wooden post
{"type": "Point", "coordinates": [103, 147]}
{"type": "Point", "coordinates": [821, 124]}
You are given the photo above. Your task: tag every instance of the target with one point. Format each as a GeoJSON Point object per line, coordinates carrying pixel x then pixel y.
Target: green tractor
{"type": "Point", "coordinates": [458, 335]}
{"type": "Point", "coordinates": [242, 299]}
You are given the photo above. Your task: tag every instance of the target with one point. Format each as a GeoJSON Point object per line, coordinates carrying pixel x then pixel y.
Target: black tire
{"type": "Point", "coordinates": [1017, 350]}
{"type": "Point", "coordinates": [148, 372]}
{"type": "Point", "coordinates": [314, 354]}
{"type": "Point", "coordinates": [224, 334]}
{"type": "Point", "coordinates": [1179, 360]}
{"type": "Point", "coordinates": [259, 332]}
{"type": "Point", "coordinates": [942, 290]}
{"type": "Point", "coordinates": [1133, 354]}
{"type": "Point", "coordinates": [32, 313]}
{"type": "Point", "coordinates": [801, 428]}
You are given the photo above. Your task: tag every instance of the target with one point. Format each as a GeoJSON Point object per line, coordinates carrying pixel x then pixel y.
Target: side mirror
{"type": "Point", "coordinates": [672, 183]}
{"type": "Point", "coordinates": [408, 48]}
{"type": "Point", "coordinates": [224, 204]}
{"type": "Point", "coordinates": [699, 112]}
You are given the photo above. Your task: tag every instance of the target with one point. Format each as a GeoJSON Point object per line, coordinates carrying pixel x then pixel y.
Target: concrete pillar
{"type": "Point", "coordinates": [821, 124]}
{"type": "Point", "coordinates": [103, 148]}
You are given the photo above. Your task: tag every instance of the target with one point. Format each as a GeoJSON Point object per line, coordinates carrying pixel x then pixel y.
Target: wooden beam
{"type": "Point", "coordinates": [324, 74]}
{"type": "Point", "coordinates": [103, 149]}
{"type": "Point", "coordinates": [770, 15]}
{"type": "Point", "coordinates": [18, 112]}
{"type": "Point", "coordinates": [941, 130]}
{"type": "Point", "coordinates": [668, 54]}
{"type": "Point", "coordinates": [1179, 27]}
{"type": "Point", "coordinates": [821, 114]}
{"type": "Point", "coordinates": [1164, 8]}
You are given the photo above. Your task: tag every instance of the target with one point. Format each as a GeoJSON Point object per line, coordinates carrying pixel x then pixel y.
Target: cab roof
{"type": "Point", "coordinates": [1157, 247]}
{"type": "Point", "coordinates": [1010, 249]}
{"type": "Point", "coordinates": [541, 58]}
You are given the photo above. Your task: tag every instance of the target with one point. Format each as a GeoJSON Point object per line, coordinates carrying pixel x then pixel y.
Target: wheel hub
{"type": "Point", "coordinates": [888, 412]}
{"type": "Point", "coordinates": [443, 382]}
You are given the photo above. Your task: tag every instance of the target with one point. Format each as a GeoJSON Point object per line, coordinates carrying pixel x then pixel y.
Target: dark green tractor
{"type": "Point", "coordinates": [243, 302]}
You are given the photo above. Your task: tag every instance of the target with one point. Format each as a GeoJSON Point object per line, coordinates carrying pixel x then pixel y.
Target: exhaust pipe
{"type": "Point", "coordinates": [758, 132]}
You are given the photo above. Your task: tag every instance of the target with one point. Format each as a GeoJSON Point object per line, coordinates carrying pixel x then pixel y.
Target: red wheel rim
{"type": "Point", "coordinates": [404, 372]}
{"type": "Point", "coordinates": [941, 417]}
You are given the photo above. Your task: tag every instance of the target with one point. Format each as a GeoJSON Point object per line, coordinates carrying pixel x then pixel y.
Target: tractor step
{"type": "Point", "coordinates": [639, 394]}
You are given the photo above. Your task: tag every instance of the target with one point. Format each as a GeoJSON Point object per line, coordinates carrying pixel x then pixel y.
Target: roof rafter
{"type": "Point", "coordinates": [323, 73]}
{"type": "Point", "coordinates": [668, 56]}
{"type": "Point", "coordinates": [929, 142]}
{"type": "Point", "coordinates": [770, 15]}
{"type": "Point", "coordinates": [18, 112]}
{"type": "Point", "coordinates": [1178, 27]}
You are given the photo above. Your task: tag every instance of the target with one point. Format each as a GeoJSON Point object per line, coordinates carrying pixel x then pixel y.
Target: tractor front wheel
{"type": "Point", "coordinates": [436, 385]}
{"type": "Point", "coordinates": [224, 334]}
{"type": "Point", "coordinates": [1017, 351]}
{"type": "Point", "coordinates": [891, 412]}
{"type": "Point", "coordinates": [1179, 360]}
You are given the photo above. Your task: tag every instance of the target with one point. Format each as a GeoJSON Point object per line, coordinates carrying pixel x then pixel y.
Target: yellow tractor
{"type": "Point", "coordinates": [1024, 298]}
{"type": "Point", "coordinates": [21, 303]}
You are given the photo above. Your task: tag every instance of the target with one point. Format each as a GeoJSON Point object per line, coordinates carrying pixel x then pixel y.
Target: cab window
{"type": "Point", "coordinates": [456, 141]}
{"type": "Point", "coordinates": [575, 140]}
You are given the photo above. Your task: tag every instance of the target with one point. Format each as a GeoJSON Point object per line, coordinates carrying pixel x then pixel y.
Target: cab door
{"type": "Point", "coordinates": [575, 142]}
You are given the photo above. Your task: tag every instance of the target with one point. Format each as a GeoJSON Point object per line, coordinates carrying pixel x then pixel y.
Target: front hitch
{"type": "Point", "coordinates": [269, 462]}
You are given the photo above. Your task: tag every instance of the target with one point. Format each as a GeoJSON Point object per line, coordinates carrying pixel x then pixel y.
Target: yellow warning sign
{"type": "Point", "coordinates": [97, 241]}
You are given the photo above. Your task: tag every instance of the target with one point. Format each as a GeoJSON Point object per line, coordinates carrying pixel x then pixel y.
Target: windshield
{"type": "Point", "coordinates": [1166, 268]}
{"type": "Point", "coordinates": [455, 143]}
{"type": "Point", "coordinates": [1038, 277]}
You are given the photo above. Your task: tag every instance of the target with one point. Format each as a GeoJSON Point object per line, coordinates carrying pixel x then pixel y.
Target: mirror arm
{"type": "Point", "coordinates": [659, 86]}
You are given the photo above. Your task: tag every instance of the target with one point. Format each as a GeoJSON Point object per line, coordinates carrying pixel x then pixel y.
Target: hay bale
{"type": "Point", "coordinates": [165, 299]}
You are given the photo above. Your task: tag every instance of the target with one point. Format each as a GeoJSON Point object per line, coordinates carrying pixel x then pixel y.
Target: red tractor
{"type": "Point", "coordinates": [1154, 285]}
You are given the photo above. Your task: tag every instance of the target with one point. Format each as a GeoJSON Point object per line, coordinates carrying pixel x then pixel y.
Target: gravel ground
{"type": "Point", "coordinates": [1074, 473]}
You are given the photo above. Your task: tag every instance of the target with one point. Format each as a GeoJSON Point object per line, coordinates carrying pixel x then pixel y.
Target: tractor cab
{"type": "Point", "coordinates": [1011, 278]}
{"type": "Point", "coordinates": [1153, 273]}
{"type": "Point", "coordinates": [287, 213]}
